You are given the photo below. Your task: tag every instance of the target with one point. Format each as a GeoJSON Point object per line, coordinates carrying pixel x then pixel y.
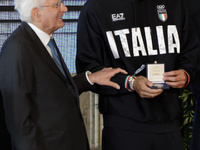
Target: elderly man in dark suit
{"type": "Point", "coordinates": [39, 95]}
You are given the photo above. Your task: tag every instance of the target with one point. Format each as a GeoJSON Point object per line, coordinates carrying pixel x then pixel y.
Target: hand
{"type": "Point", "coordinates": [142, 87]}
{"type": "Point", "coordinates": [175, 79]}
{"type": "Point", "coordinates": [103, 76]}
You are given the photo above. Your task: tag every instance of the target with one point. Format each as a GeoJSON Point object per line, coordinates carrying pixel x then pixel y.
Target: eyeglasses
{"type": "Point", "coordinates": [56, 5]}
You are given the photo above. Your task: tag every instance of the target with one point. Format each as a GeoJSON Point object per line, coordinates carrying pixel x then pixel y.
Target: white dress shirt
{"type": "Point", "coordinates": [44, 37]}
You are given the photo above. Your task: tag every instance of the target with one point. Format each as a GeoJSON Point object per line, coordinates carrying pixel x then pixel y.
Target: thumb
{"type": "Point", "coordinates": [114, 85]}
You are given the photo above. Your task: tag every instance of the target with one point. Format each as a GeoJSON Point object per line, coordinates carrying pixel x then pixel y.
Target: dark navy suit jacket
{"type": "Point", "coordinates": [41, 104]}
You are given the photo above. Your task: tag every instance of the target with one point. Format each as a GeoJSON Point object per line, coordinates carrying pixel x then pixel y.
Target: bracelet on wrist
{"type": "Point", "coordinates": [129, 83]}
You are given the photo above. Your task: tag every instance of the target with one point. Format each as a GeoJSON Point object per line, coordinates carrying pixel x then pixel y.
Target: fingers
{"type": "Point", "coordinates": [113, 84]}
{"type": "Point", "coordinates": [142, 86]}
{"type": "Point", "coordinates": [174, 76]}
{"type": "Point", "coordinates": [171, 76]}
{"type": "Point", "coordinates": [102, 77]}
{"type": "Point", "coordinates": [179, 84]}
{"type": "Point", "coordinates": [175, 79]}
{"type": "Point", "coordinates": [119, 70]}
{"type": "Point", "coordinates": [115, 70]}
{"type": "Point", "coordinates": [149, 93]}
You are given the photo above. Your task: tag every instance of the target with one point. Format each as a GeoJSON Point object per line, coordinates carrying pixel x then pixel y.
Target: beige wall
{"type": "Point", "coordinates": [92, 118]}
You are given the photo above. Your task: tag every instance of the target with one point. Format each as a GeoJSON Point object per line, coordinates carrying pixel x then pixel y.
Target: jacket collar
{"type": "Point", "coordinates": [42, 52]}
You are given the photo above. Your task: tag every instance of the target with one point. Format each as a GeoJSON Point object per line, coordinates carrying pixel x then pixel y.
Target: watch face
{"type": "Point", "coordinates": [131, 82]}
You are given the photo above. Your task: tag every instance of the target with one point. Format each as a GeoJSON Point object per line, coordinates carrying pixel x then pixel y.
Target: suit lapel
{"type": "Point", "coordinates": [43, 53]}
{"type": "Point", "coordinates": [68, 75]}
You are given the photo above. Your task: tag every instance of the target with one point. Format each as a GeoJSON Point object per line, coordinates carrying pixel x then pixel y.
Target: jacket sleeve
{"type": "Point", "coordinates": [16, 78]}
{"type": "Point", "coordinates": [91, 53]}
{"type": "Point", "coordinates": [190, 54]}
{"type": "Point", "coordinates": [82, 83]}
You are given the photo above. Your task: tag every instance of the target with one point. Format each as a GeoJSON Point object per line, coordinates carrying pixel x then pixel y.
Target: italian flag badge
{"type": "Point", "coordinates": [162, 12]}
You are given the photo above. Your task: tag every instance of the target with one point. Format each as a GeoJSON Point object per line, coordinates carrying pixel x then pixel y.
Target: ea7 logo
{"type": "Point", "coordinates": [118, 17]}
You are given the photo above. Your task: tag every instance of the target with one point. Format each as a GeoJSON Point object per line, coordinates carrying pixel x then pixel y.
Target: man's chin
{"type": "Point", "coordinates": [61, 24]}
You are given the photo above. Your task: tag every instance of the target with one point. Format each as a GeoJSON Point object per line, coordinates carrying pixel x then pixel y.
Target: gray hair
{"type": "Point", "coordinates": [24, 8]}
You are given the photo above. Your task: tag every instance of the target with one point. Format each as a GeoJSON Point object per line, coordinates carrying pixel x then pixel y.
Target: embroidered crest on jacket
{"type": "Point", "coordinates": [162, 12]}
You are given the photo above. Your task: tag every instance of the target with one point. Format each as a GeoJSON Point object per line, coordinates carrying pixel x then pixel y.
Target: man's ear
{"type": "Point", "coordinates": [35, 13]}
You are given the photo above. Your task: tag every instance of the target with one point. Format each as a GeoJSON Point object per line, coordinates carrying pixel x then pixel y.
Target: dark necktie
{"type": "Point", "coordinates": [57, 60]}
{"type": "Point", "coordinates": [55, 55]}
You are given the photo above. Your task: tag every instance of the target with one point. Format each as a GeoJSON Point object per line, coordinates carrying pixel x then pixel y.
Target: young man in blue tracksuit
{"type": "Point", "coordinates": [132, 34]}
